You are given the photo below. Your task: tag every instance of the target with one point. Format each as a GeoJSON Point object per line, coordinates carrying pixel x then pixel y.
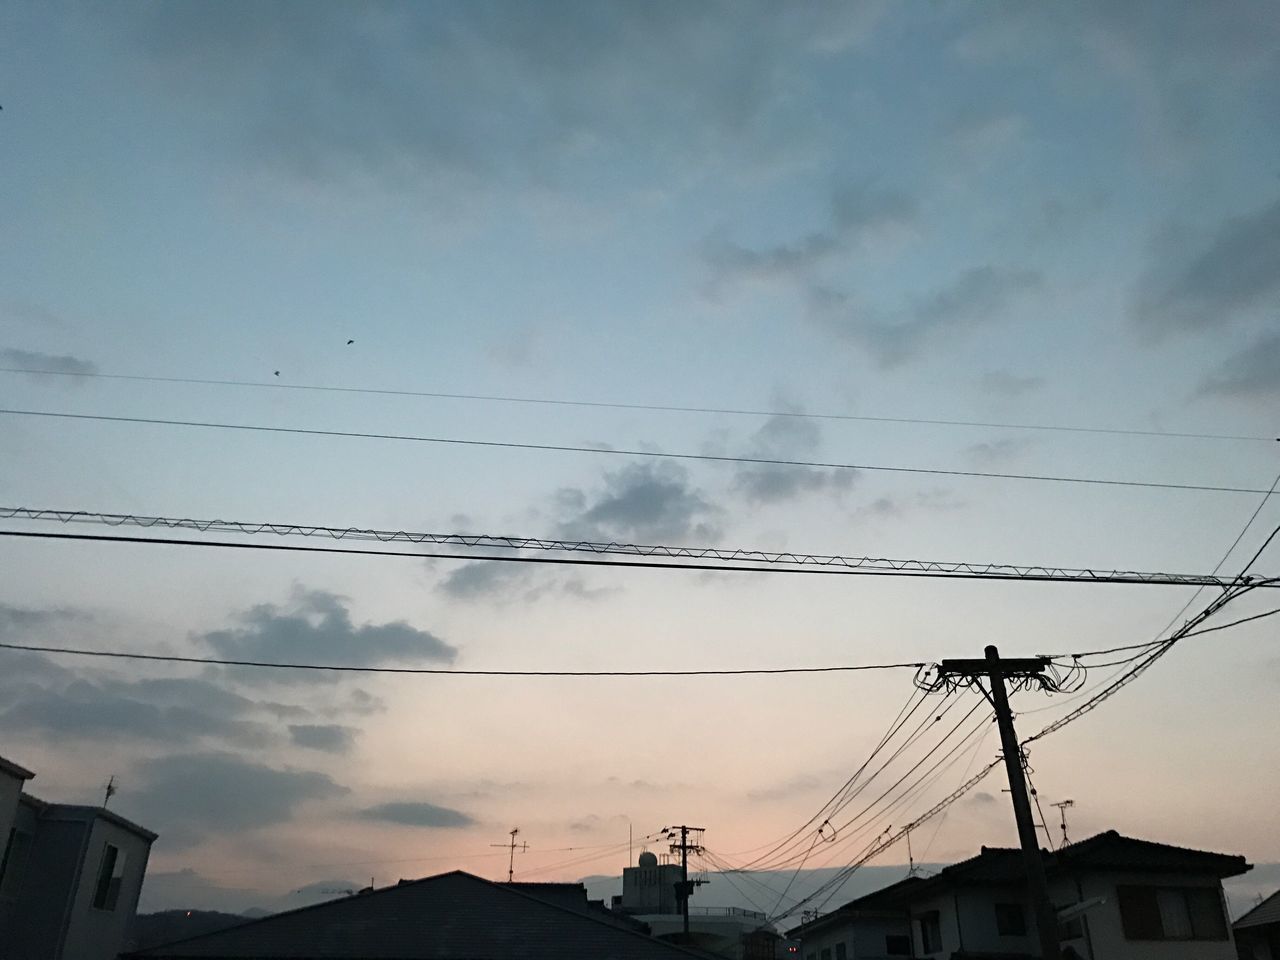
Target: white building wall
{"type": "Point", "coordinates": [1107, 931]}
{"type": "Point", "coordinates": [94, 934]}
{"type": "Point", "coordinates": [967, 919]}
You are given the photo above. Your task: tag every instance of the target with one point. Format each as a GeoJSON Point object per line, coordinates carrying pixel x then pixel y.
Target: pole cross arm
{"type": "Point", "coordinates": [1011, 667]}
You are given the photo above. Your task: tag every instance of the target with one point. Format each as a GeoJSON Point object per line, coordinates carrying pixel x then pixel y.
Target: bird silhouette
{"type": "Point", "coordinates": [350, 342]}
{"type": "Point", "coordinates": [277, 373]}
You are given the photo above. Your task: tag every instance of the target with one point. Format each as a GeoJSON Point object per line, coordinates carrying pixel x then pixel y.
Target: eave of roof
{"type": "Point", "coordinates": [11, 768]}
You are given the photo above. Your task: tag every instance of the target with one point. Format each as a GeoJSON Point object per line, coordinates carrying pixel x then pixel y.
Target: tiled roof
{"type": "Point", "coordinates": [1268, 911]}
{"type": "Point", "coordinates": [996, 866]}
{"type": "Point", "coordinates": [453, 916]}
{"type": "Point", "coordinates": [1107, 851]}
{"type": "Point", "coordinates": [11, 768]}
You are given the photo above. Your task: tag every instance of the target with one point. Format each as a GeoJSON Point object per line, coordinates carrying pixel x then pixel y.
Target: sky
{"type": "Point", "coordinates": [1056, 215]}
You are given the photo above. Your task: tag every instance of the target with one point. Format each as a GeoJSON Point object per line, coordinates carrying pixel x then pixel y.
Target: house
{"type": "Point", "coordinates": [1116, 896]}
{"type": "Point", "coordinates": [650, 896]}
{"type": "Point", "coordinates": [870, 928]}
{"type": "Point", "coordinates": [452, 916]}
{"type": "Point", "coordinates": [69, 878]}
{"type": "Point", "coordinates": [1258, 931]}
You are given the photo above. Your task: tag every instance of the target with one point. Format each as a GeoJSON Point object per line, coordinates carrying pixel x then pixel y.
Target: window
{"type": "Point", "coordinates": [840, 952]}
{"type": "Point", "coordinates": [826, 953]}
{"type": "Point", "coordinates": [896, 945]}
{"type": "Point", "coordinates": [15, 860]}
{"type": "Point", "coordinates": [1172, 913]}
{"type": "Point", "coordinates": [110, 875]}
{"type": "Point", "coordinates": [1010, 920]}
{"type": "Point", "coordinates": [1072, 929]}
{"type": "Point", "coordinates": [930, 932]}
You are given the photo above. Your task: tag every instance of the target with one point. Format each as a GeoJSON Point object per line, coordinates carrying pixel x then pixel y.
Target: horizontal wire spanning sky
{"type": "Point", "coordinates": [760, 235]}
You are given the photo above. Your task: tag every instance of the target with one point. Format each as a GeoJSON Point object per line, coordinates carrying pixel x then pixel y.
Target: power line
{"type": "Point", "coordinates": [737, 556]}
{"type": "Point", "coordinates": [446, 671]}
{"type": "Point", "coordinates": [652, 407]}
{"type": "Point", "coordinates": [624, 452]}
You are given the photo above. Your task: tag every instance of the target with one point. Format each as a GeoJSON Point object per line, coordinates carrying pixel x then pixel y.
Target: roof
{"type": "Point", "coordinates": [13, 770]}
{"type": "Point", "coordinates": [997, 866]}
{"type": "Point", "coordinates": [883, 902]}
{"type": "Point", "coordinates": [1268, 911]}
{"type": "Point", "coordinates": [1108, 851]}
{"type": "Point", "coordinates": [452, 916]}
{"type": "Point", "coordinates": [83, 812]}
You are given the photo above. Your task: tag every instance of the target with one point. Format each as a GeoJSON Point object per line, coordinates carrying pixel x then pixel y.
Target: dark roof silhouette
{"type": "Point", "coordinates": [452, 916]}
{"type": "Point", "coordinates": [1268, 911]}
{"type": "Point", "coordinates": [999, 866]}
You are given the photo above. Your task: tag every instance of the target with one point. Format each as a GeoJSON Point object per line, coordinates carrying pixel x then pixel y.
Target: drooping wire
{"type": "Point", "coordinates": [631, 452]}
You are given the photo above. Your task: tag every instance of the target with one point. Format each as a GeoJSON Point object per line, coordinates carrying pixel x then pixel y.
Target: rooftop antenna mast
{"type": "Point", "coordinates": [109, 790]}
{"type": "Point", "coordinates": [911, 860]}
{"type": "Point", "coordinates": [1063, 806]}
{"type": "Point", "coordinates": [513, 846]}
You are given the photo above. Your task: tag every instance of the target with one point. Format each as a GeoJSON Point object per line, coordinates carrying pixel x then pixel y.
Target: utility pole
{"type": "Point", "coordinates": [685, 889]}
{"type": "Point", "coordinates": [996, 671]}
{"type": "Point", "coordinates": [511, 862]}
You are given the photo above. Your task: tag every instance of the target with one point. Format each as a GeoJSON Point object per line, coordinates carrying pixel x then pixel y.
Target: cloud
{"type": "Point", "coordinates": [171, 711]}
{"type": "Point", "coordinates": [783, 437]}
{"type": "Point", "coordinates": [328, 737]}
{"type": "Point", "coordinates": [1236, 271]}
{"type": "Point", "coordinates": [977, 296]}
{"type": "Point", "coordinates": [857, 214]}
{"type": "Point", "coordinates": [1253, 373]}
{"type": "Point", "coordinates": [997, 451]}
{"type": "Point", "coordinates": [187, 797]}
{"type": "Point", "coordinates": [37, 363]}
{"type": "Point", "coordinates": [318, 629]}
{"type": "Point", "coordinates": [982, 798]}
{"type": "Point", "coordinates": [641, 503]}
{"type": "Point", "coordinates": [509, 581]}
{"type": "Point", "coordinates": [480, 91]}
{"type": "Point", "coordinates": [15, 620]}
{"type": "Point", "coordinates": [800, 784]}
{"type": "Point", "coordinates": [1005, 384]}
{"type": "Point", "coordinates": [417, 814]}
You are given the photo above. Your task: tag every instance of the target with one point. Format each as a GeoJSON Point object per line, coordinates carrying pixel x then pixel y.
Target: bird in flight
{"type": "Point", "coordinates": [350, 342]}
{"type": "Point", "coordinates": [277, 373]}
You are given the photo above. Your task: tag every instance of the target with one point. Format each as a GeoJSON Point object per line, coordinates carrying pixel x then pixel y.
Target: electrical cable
{"type": "Point", "coordinates": [444, 671]}
{"type": "Point", "coordinates": [738, 555]}
{"type": "Point", "coordinates": [666, 408]}
{"type": "Point", "coordinates": [625, 452]}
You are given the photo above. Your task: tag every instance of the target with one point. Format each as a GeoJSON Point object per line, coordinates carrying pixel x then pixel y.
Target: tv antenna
{"type": "Point", "coordinates": [513, 846]}
{"type": "Point", "coordinates": [1063, 806]}
{"type": "Point", "coordinates": [109, 790]}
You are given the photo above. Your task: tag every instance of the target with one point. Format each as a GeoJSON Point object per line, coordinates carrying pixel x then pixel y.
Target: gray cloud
{"type": "Point", "coordinates": [787, 438]}
{"type": "Point", "coordinates": [646, 502]}
{"type": "Point", "coordinates": [417, 814]}
{"type": "Point", "coordinates": [856, 213]}
{"type": "Point", "coordinates": [328, 737]}
{"type": "Point", "coordinates": [318, 628]}
{"type": "Point", "coordinates": [982, 798]}
{"type": "Point", "coordinates": [172, 711]}
{"type": "Point", "coordinates": [484, 90]}
{"type": "Point", "coordinates": [189, 796]}
{"type": "Point", "coordinates": [490, 581]}
{"type": "Point", "coordinates": [997, 451]}
{"type": "Point", "coordinates": [977, 296]}
{"type": "Point", "coordinates": [1253, 373]}
{"type": "Point", "coordinates": [1005, 384]}
{"type": "Point", "coordinates": [1236, 271]}
{"type": "Point", "coordinates": [35, 361]}
{"type": "Point", "coordinates": [15, 620]}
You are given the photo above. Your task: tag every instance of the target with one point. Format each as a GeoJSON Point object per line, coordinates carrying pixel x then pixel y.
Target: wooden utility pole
{"type": "Point", "coordinates": [685, 889]}
{"type": "Point", "coordinates": [996, 671]}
